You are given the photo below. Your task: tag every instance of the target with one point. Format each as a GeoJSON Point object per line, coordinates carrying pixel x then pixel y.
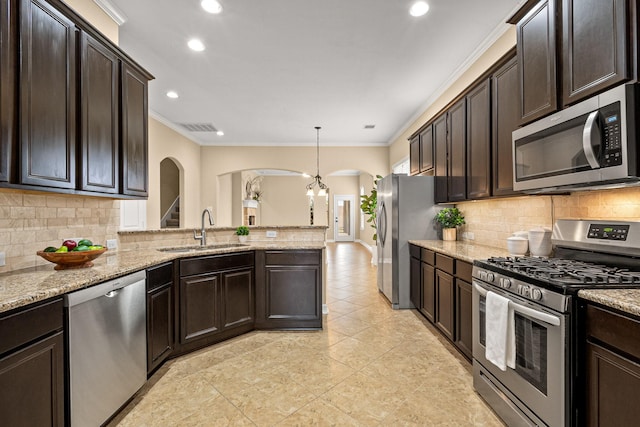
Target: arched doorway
{"type": "Point", "coordinates": [169, 194]}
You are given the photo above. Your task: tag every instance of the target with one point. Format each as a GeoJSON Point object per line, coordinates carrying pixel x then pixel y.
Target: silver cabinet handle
{"type": "Point", "coordinates": [111, 294]}
{"type": "Point", "coordinates": [590, 137]}
{"type": "Point", "coordinates": [534, 314]}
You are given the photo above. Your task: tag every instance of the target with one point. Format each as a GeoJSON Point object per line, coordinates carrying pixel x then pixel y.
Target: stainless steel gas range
{"type": "Point", "coordinates": [538, 385]}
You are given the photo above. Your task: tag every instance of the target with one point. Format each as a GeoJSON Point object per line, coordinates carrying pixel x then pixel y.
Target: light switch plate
{"type": "Point", "coordinates": [112, 244]}
{"type": "Point", "coordinates": [468, 235]}
{"type": "Point", "coordinates": [272, 233]}
{"type": "Point", "coordinates": [2, 259]}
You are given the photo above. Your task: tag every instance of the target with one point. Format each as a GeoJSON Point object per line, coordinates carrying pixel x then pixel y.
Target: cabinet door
{"type": "Point", "coordinates": [594, 47]}
{"type": "Point", "coordinates": [457, 151]}
{"type": "Point", "coordinates": [99, 128]}
{"type": "Point", "coordinates": [32, 384]}
{"type": "Point", "coordinates": [47, 96]}
{"type": "Point", "coordinates": [414, 155]}
{"type": "Point", "coordinates": [613, 382]}
{"type": "Point", "coordinates": [160, 325]}
{"type": "Point", "coordinates": [426, 149]}
{"type": "Point", "coordinates": [428, 292]}
{"type": "Point", "coordinates": [479, 142]}
{"type": "Point", "coordinates": [441, 164]}
{"type": "Point", "coordinates": [445, 303]}
{"type": "Point", "coordinates": [134, 132]}
{"type": "Point", "coordinates": [199, 307]}
{"type": "Point", "coordinates": [415, 282]}
{"type": "Point", "coordinates": [239, 305]}
{"type": "Point", "coordinates": [464, 338]}
{"type": "Point", "coordinates": [8, 84]}
{"type": "Point", "coordinates": [505, 116]}
{"type": "Point", "coordinates": [536, 45]}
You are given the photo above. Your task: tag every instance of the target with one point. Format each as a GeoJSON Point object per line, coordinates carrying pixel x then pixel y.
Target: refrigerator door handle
{"type": "Point", "coordinates": [382, 223]}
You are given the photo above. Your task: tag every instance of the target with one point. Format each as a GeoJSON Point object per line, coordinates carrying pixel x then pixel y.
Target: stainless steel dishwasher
{"type": "Point", "coordinates": [107, 347]}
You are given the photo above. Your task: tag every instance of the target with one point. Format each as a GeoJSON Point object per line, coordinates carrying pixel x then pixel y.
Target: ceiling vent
{"type": "Point", "coordinates": [199, 127]}
{"type": "Point", "coordinates": [369, 126]}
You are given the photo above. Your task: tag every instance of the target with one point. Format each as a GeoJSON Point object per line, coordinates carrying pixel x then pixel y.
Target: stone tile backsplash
{"type": "Point", "coordinates": [31, 221]}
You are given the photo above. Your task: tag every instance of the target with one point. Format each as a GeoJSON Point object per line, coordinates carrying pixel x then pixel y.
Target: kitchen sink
{"type": "Point", "coordinates": [198, 248]}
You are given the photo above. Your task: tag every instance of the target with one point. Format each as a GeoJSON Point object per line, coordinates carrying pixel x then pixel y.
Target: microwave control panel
{"type": "Point", "coordinates": [612, 136]}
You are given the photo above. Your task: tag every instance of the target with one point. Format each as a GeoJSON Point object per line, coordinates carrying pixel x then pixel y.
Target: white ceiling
{"type": "Point", "coordinates": [274, 69]}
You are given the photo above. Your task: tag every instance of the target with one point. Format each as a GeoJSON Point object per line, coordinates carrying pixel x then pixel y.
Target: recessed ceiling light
{"type": "Point", "coordinates": [211, 6]}
{"type": "Point", "coordinates": [220, 133]}
{"type": "Point", "coordinates": [195, 44]}
{"type": "Point", "coordinates": [172, 94]}
{"type": "Point", "coordinates": [419, 8]}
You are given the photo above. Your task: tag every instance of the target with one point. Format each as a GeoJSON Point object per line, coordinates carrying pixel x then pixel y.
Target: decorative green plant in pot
{"type": "Point", "coordinates": [449, 219]}
{"type": "Point", "coordinates": [369, 205]}
{"type": "Point", "coordinates": [242, 232]}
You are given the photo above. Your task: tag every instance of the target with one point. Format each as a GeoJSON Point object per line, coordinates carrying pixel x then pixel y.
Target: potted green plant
{"type": "Point", "coordinates": [242, 232]}
{"type": "Point", "coordinates": [369, 205]}
{"type": "Point", "coordinates": [449, 219]}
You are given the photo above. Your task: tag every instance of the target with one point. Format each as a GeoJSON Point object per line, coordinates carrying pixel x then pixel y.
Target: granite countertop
{"type": "Point", "coordinates": [465, 251]}
{"type": "Point", "coordinates": [626, 300]}
{"type": "Point", "coordinates": [23, 287]}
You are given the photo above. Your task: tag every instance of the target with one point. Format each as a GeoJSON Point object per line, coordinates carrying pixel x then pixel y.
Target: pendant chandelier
{"type": "Point", "coordinates": [317, 180]}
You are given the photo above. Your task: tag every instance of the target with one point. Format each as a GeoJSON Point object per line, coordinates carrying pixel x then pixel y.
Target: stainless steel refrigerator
{"type": "Point", "coordinates": [406, 212]}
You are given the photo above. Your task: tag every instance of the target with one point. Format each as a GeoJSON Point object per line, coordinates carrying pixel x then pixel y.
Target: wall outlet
{"type": "Point", "coordinates": [2, 259]}
{"type": "Point", "coordinates": [272, 233]}
{"type": "Point", "coordinates": [468, 235]}
{"type": "Point", "coordinates": [112, 244]}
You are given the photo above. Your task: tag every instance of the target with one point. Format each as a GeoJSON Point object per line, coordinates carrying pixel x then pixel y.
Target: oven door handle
{"type": "Point", "coordinates": [534, 314]}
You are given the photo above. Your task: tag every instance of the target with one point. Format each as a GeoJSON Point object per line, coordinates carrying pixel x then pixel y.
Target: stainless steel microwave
{"type": "Point", "coordinates": [591, 144]}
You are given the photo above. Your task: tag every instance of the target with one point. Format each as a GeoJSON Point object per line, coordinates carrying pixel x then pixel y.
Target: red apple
{"type": "Point", "coordinates": [70, 244]}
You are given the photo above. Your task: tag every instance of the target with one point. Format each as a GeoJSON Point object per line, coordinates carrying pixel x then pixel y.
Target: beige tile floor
{"type": "Point", "coordinates": [369, 366]}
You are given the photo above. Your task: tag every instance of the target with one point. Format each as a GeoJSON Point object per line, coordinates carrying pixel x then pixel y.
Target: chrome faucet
{"type": "Point", "coordinates": [203, 234]}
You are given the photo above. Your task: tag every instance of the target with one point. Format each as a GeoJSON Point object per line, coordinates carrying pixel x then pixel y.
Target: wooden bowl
{"type": "Point", "coordinates": [68, 260]}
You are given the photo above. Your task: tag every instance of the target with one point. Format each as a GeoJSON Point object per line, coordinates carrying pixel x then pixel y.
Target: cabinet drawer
{"type": "Point", "coordinates": [445, 263]}
{"type": "Point", "coordinates": [159, 276]}
{"type": "Point", "coordinates": [428, 256]}
{"type": "Point", "coordinates": [614, 329]}
{"type": "Point", "coordinates": [311, 257]}
{"type": "Point", "coordinates": [30, 324]}
{"type": "Point", "coordinates": [463, 270]}
{"type": "Point", "coordinates": [208, 264]}
{"type": "Point", "coordinates": [414, 251]}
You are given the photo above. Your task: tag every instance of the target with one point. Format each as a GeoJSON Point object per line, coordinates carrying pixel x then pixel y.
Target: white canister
{"type": "Point", "coordinates": [517, 245]}
{"type": "Point", "coordinates": [540, 241]}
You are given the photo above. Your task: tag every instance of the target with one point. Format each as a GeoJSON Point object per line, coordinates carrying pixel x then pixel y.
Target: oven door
{"type": "Point", "coordinates": [537, 388]}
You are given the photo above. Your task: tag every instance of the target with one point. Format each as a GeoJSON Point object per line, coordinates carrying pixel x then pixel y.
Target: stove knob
{"type": "Point", "coordinates": [536, 294]}
{"type": "Point", "coordinates": [491, 277]}
{"type": "Point", "coordinates": [524, 291]}
{"type": "Point", "coordinates": [505, 283]}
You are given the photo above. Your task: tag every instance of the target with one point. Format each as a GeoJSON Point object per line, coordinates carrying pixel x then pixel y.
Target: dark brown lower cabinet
{"type": "Point", "coordinates": [289, 289]}
{"type": "Point", "coordinates": [428, 307]}
{"type": "Point", "coordinates": [415, 277]}
{"type": "Point", "coordinates": [32, 366]}
{"type": "Point", "coordinates": [613, 368]}
{"type": "Point", "coordinates": [464, 337]}
{"type": "Point", "coordinates": [445, 292]}
{"type": "Point", "coordinates": [216, 298]}
{"type": "Point", "coordinates": [160, 315]}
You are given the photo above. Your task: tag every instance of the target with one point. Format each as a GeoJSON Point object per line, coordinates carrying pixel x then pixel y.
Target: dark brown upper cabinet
{"type": "Point", "coordinates": [479, 141]}
{"type": "Point", "coordinates": [505, 119]}
{"type": "Point", "coordinates": [595, 47]}
{"type": "Point", "coordinates": [441, 192]}
{"type": "Point", "coordinates": [414, 155]}
{"type": "Point", "coordinates": [135, 181]}
{"type": "Point", "coordinates": [100, 110]}
{"type": "Point", "coordinates": [8, 85]}
{"type": "Point", "coordinates": [457, 151]}
{"type": "Point", "coordinates": [536, 45]}
{"type": "Point", "coordinates": [47, 96]}
{"type": "Point", "coordinates": [421, 157]}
